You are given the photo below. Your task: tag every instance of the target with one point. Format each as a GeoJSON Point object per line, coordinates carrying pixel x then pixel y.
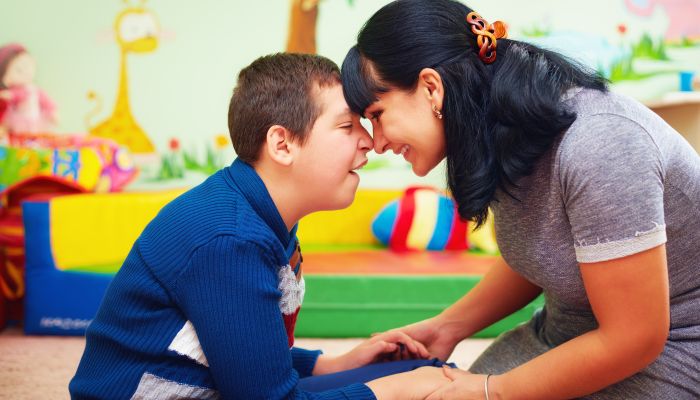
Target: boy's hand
{"type": "Point", "coordinates": [388, 346]}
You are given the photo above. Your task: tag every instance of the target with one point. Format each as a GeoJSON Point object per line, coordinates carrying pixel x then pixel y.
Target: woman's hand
{"type": "Point", "coordinates": [434, 335]}
{"type": "Point", "coordinates": [388, 346]}
{"type": "Point", "coordinates": [413, 385]}
{"type": "Point", "coordinates": [463, 386]}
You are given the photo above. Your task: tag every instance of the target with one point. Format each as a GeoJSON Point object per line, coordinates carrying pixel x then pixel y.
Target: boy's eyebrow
{"type": "Point", "coordinates": [344, 113]}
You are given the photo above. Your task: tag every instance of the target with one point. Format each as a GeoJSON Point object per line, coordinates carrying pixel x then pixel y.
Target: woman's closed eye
{"type": "Point", "coordinates": [375, 116]}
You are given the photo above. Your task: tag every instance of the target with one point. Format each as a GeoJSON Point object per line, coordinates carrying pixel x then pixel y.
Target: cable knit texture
{"type": "Point", "coordinates": [196, 311]}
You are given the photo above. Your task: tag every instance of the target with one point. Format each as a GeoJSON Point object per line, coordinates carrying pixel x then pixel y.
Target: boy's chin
{"type": "Point", "coordinates": [341, 200]}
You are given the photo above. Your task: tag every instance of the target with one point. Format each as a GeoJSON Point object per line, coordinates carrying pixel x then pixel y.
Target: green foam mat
{"type": "Point", "coordinates": [338, 306]}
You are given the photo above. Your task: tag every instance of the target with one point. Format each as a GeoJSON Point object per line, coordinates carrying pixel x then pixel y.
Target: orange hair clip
{"type": "Point", "coordinates": [487, 35]}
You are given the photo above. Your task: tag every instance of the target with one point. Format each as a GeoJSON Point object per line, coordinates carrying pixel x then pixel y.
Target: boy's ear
{"type": "Point", "coordinates": [431, 82]}
{"type": "Point", "coordinates": [279, 145]}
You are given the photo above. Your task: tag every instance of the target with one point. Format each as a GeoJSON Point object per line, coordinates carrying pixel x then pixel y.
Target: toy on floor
{"type": "Point", "coordinates": [27, 108]}
{"type": "Point", "coordinates": [425, 219]}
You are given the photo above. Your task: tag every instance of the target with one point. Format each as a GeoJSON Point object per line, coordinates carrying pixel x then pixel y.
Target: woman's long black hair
{"type": "Point", "coordinates": [499, 118]}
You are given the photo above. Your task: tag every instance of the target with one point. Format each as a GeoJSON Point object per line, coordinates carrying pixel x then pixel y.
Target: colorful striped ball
{"type": "Point", "coordinates": [423, 219]}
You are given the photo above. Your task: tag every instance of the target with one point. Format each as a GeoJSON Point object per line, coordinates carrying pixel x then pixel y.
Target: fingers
{"type": "Point", "coordinates": [409, 348]}
{"type": "Point", "coordinates": [414, 347]}
{"type": "Point", "coordinates": [384, 351]}
{"type": "Point", "coordinates": [422, 350]}
{"type": "Point", "coordinates": [388, 347]}
{"type": "Point", "coordinates": [449, 372]}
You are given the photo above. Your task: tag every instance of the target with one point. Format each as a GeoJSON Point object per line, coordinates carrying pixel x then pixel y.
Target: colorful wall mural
{"type": "Point", "coordinates": [136, 31]}
{"type": "Point", "coordinates": [166, 69]}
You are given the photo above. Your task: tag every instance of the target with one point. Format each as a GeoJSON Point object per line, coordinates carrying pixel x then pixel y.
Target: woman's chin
{"type": "Point", "coordinates": [420, 170]}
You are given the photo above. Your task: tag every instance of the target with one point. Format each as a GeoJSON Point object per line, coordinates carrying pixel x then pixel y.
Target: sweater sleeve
{"type": "Point", "coordinates": [230, 295]}
{"type": "Point", "coordinates": [304, 360]}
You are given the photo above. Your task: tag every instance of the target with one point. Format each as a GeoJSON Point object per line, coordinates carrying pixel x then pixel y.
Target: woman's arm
{"type": "Point", "coordinates": [630, 299]}
{"type": "Point", "coordinates": [500, 293]}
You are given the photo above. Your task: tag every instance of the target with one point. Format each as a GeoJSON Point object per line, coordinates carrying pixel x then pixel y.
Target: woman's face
{"type": "Point", "coordinates": [404, 122]}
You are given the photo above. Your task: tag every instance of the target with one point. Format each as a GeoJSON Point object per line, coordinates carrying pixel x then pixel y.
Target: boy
{"type": "Point", "coordinates": [206, 302]}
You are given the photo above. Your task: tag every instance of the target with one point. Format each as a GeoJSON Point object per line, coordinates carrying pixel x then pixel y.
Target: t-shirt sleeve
{"type": "Point", "coordinates": [229, 292]}
{"type": "Point", "coordinates": [612, 179]}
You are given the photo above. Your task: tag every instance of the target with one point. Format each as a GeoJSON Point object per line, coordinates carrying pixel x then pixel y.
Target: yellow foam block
{"type": "Point", "coordinates": [352, 225]}
{"type": "Point", "coordinates": [99, 229]}
{"type": "Point", "coordinates": [484, 238]}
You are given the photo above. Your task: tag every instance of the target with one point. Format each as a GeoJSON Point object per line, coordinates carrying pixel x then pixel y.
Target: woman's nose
{"type": "Point", "coordinates": [366, 142]}
{"type": "Point", "coordinates": [380, 142]}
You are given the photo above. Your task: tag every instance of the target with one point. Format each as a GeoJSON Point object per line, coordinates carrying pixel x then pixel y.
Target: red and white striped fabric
{"type": "Point", "coordinates": [292, 286]}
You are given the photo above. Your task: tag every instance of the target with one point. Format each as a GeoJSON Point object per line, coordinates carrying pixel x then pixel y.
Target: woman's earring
{"type": "Point", "coordinates": [437, 112]}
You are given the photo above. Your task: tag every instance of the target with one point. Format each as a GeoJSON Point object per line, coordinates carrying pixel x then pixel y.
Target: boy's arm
{"type": "Point", "coordinates": [229, 292]}
{"type": "Point", "coordinates": [304, 361]}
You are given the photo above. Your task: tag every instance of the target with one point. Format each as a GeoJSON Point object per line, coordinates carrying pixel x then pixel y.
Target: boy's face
{"type": "Point", "coordinates": [336, 146]}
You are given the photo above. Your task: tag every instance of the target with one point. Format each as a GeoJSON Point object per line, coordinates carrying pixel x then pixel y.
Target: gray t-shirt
{"type": "Point", "coordinates": [618, 182]}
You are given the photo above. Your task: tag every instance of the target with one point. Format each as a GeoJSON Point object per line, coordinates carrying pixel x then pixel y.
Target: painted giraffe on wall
{"type": "Point", "coordinates": [136, 30]}
{"type": "Point", "coordinates": [301, 37]}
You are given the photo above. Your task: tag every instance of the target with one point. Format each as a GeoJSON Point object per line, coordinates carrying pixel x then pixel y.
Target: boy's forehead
{"type": "Point", "coordinates": [331, 100]}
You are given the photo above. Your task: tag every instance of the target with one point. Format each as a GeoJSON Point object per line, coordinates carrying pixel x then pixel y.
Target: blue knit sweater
{"type": "Point", "coordinates": [194, 312]}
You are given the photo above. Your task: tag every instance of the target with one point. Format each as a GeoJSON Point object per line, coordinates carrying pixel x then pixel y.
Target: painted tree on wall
{"type": "Point", "coordinates": [301, 37]}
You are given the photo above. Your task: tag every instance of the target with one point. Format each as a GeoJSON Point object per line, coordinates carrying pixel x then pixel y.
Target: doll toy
{"type": "Point", "coordinates": [27, 108]}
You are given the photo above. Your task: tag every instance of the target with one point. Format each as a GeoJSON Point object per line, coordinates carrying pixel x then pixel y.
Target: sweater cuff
{"type": "Point", "coordinates": [304, 361]}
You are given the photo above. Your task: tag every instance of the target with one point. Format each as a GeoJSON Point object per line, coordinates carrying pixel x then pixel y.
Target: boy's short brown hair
{"type": "Point", "coordinates": [277, 89]}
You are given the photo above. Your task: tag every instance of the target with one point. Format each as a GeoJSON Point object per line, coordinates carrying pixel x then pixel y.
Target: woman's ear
{"type": "Point", "coordinates": [279, 145]}
{"type": "Point", "coordinates": [431, 82]}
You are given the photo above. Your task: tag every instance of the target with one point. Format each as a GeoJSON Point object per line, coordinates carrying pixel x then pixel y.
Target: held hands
{"type": "Point", "coordinates": [463, 386]}
{"type": "Point", "coordinates": [413, 385]}
{"type": "Point", "coordinates": [386, 346]}
{"type": "Point", "coordinates": [432, 333]}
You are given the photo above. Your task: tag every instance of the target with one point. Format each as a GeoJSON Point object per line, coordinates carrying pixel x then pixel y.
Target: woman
{"type": "Point", "coordinates": [596, 204]}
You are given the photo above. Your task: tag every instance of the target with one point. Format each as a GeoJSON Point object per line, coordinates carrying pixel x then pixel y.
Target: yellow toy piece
{"type": "Point", "coordinates": [90, 168]}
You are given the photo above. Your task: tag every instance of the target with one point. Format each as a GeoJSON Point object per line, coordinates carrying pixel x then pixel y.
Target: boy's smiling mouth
{"type": "Point", "coordinates": [359, 166]}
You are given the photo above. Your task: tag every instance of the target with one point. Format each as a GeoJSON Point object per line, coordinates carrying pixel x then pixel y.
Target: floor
{"type": "Point", "coordinates": [40, 367]}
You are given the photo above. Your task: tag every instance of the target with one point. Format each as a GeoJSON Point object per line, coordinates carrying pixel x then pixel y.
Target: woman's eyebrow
{"type": "Point", "coordinates": [368, 110]}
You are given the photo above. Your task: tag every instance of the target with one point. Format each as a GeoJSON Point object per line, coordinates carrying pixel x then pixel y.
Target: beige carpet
{"type": "Point", "coordinates": [40, 367]}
